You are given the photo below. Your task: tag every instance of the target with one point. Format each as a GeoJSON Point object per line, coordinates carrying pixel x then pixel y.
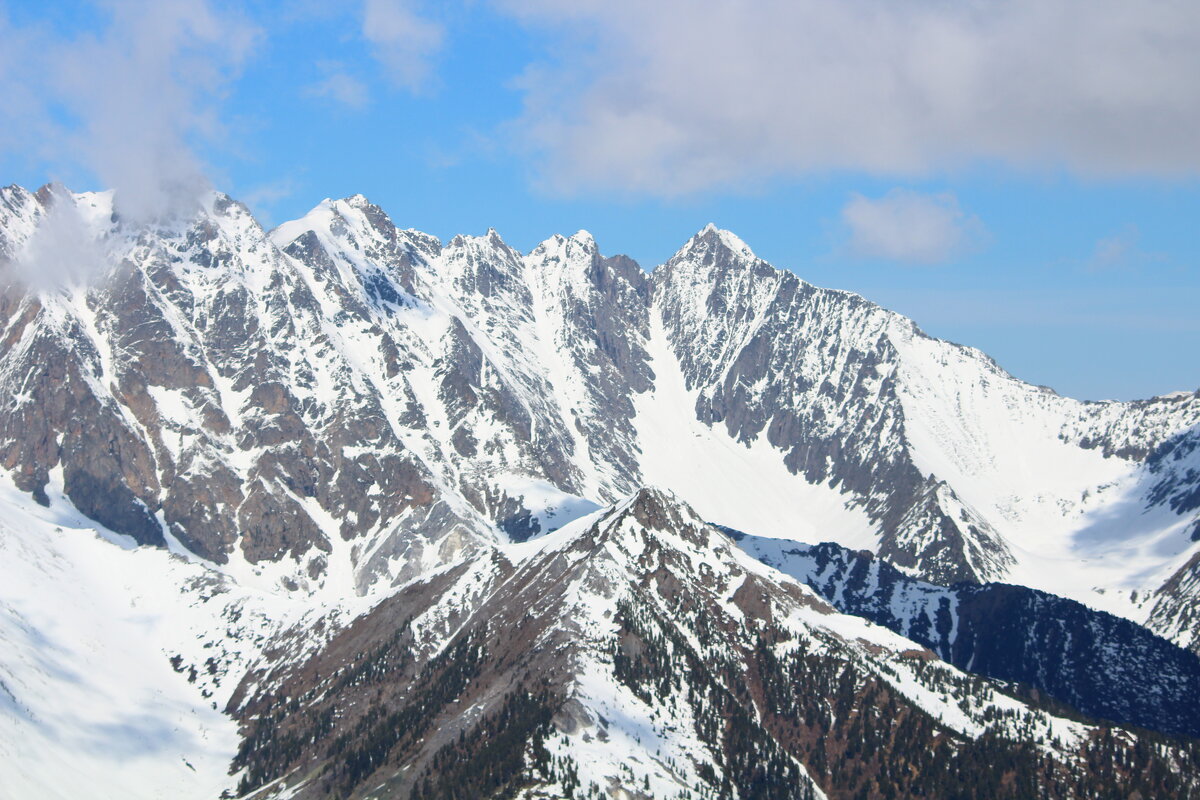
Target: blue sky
{"type": "Point", "coordinates": [1020, 176]}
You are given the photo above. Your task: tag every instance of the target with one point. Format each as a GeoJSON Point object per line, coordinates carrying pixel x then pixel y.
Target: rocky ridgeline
{"type": "Point", "coordinates": [1091, 661]}
{"type": "Point", "coordinates": [420, 464]}
{"type": "Point", "coordinates": [340, 390]}
{"type": "Point", "coordinates": [639, 653]}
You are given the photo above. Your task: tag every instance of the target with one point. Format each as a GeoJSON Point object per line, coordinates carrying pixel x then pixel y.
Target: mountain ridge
{"type": "Point", "coordinates": [621, 636]}
{"type": "Point", "coordinates": [553, 347]}
{"type": "Point", "coordinates": [373, 515]}
{"type": "Point", "coordinates": [1009, 633]}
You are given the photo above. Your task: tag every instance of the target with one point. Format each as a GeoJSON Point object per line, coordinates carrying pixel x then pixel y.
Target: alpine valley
{"type": "Point", "coordinates": [338, 510]}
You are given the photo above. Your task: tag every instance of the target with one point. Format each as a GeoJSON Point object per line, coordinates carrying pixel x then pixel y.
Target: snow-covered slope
{"type": "Point", "coordinates": [639, 652]}
{"type": "Point", "coordinates": [1068, 484]}
{"type": "Point", "coordinates": [964, 472]}
{"type": "Point", "coordinates": [1099, 664]}
{"type": "Point", "coordinates": [335, 403]}
{"type": "Point", "coordinates": [340, 416]}
{"type": "Point", "coordinates": [115, 661]}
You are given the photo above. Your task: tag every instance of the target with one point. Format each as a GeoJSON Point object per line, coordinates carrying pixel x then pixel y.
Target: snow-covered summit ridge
{"type": "Point", "coordinates": [711, 236]}
{"type": "Point", "coordinates": [449, 443]}
{"type": "Point", "coordinates": [292, 376]}
{"type": "Point", "coordinates": [653, 637]}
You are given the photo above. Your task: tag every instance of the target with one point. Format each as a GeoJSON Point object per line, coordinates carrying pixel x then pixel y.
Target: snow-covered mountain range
{"type": "Point", "coordinates": [1100, 664]}
{"type": "Point", "coordinates": [380, 471]}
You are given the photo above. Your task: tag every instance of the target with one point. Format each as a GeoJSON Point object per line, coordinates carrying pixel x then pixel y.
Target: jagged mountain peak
{"type": "Point", "coordinates": [559, 248]}
{"type": "Point", "coordinates": [659, 509]}
{"type": "Point", "coordinates": [483, 265]}
{"type": "Point", "coordinates": [549, 356]}
{"type": "Point", "coordinates": [348, 409]}
{"type": "Point", "coordinates": [717, 265]}
{"type": "Point", "coordinates": [356, 237]}
{"type": "Point", "coordinates": [374, 214]}
{"type": "Point", "coordinates": [713, 243]}
{"type": "Point", "coordinates": [353, 207]}
{"type": "Point", "coordinates": [658, 668]}
{"type": "Point", "coordinates": [652, 511]}
{"type": "Point", "coordinates": [103, 212]}
{"type": "Point", "coordinates": [490, 241]}
{"type": "Point", "coordinates": [582, 239]}
{"type": "Point", "coordinates": [357, 200]}
{"type": "Point", "coordinates": [426, 242]}
{"type": "Point", "coordinates": [648, 527]}
{"type": "Point", "coordinates": [51, 192]}
{"type": "Point", "coordinates": [649, 508]}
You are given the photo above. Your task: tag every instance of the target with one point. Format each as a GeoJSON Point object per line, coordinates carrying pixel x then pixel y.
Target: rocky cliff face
{"type": "Point", "coordinates": [639, 653]}
{"type": "Point", "coordinates": [815, 372]}
{"type": "Point", "coordinates": [195, 389]}
{"type": "Point", "coordinates": [408, 476]}
{"type": "Point", "coordinates": [343, 397]}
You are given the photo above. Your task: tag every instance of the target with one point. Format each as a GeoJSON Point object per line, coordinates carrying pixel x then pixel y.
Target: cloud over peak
{"type": "Point", "coordinates": [402, 41]}
{"type": "Point", "coordinates": [910, 227]}
{"type": "Point", "coordinates": [675, 96]}
{"type": "Point", "coordinates": [130, 102]}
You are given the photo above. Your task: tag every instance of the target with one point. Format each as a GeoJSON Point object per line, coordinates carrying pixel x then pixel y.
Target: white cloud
{"type": "Point", "coordinates": [910, 226]}
{"type": "Point", "coordinates": [1122, 251]}
{"type": "Point", "coordinates": [403, 42]}
{"type": "Point", "coordinates": [683, 95]}
{"type": "Point", "coordinates": [61, 252]}
{"type": "Point", "coordinates": [23, 113]}
{"type": "Point", "coordinates": [1114, 251]}
{"type": "Point", "coordinates": [139, 96]}
{"type": "Point", "coordinates": [261, 199]}
{"type": "Point", "coordinates": [340, 87]}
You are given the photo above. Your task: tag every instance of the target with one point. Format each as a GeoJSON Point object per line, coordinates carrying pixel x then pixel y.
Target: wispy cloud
{"type": "Point", "coordinates": [262, 198]}
{"type": "Point", "coordinates": [340, 87]}
{"type": "Point", "coordinates": [63, 251]}
{"type": "Point", "coordinates": [402, 41]}
{"type": "Point", "coordinates": [1122, 251]}
{"type": "Point", "coordinates": [678, 96]}
{"type": "Point", "coordinates": [129, 104]}
{"type": "Point", "coordinates": [910, 227]}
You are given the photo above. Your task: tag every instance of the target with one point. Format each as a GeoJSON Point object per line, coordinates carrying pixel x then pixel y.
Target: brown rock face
{"type": "Point", "coordinates": [258, 396]}
{"type": "Point", "coordinates": [193, 391]}
{"type": "Point", "coordinates": [495, 678]}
